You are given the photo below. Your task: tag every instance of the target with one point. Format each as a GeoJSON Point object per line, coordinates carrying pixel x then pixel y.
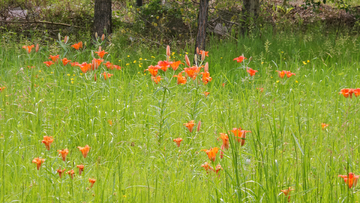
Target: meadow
{"type": "Point", "coordinates": [304, 132]}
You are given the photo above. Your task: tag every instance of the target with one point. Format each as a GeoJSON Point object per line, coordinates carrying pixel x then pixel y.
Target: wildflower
{"type": "Point", "coordinates": [241, 134]}
{"type": "Point", "coordinates": [190, 125]}
{"type": "Point", "coordinates": [192, 72]}
{"type": "Point", "coordinates": [92, 181]}
{"type": "Point", "coordinates": [110, 122]}
{"type": "Point", "coordinates": [350, 180]}
{"type": "Point", "coordinates": [109, 65]}
{"type": "Point", "coordinates": [98, 61]}
{"type": "Point", "coordinates": [1, 89]}
{"type": "Point", "coordinates": [218, 168]}
{"type": "Point", "coordinates": [102, 37]}
{"type": "Point", "coordinates": [153, 70]}
{"type": "Point", "coordinates": [28, 48]}
{"type": "Point", "coordinates": [164, 65]}
{"type": "Point", "coordinates": [206, 77]}
{"type": "Point", "coordinates": [38, 162]}
{"type": "Point", "coordinates": [289, 74]}
{"type": "Point", "coordinates": [281, 73]}
{"type": "Point", "coordinates": [175, 65]}
{"type": "Point", "coordinates": [178, 141]}
{"type": "Point", "coordinates": [347, 92]}
{"type": "Point", "coordinates": [85, 67]}
{"type": "Point", "coordinates": [66, 39]}
{"type": "Point", "coordinates": [187, 60]}
{"type": "Point", "coordinates": [324, 125]}
{"type": "Point", "coordinates": [49, 63]}
{"type": "Point", "coordinates": [47, 141]}
{"type": "Point", "coordinates": [65, 61]}
{"type": "Point", "coordinates": [239, 59]}
{"type": "Point", "coordinates": [60, 171]}
{"type": "Point", "coordinates": [37, 48]}
{"type": "Point", "coordinates": [63, 153]}
{"type": "Point", "coordinates": [84, 150]}
{"type": "Point", "coordinates": [356, 92]}
{"type": "Point", "coordinates": [167, 50]}
{"type": "Point", "coordinates": [304, 62]}
{"type": "Point", "coordinates": [211, 153]}
{"type": "Point", "coordinates": [251, 71]}
{"type": "Point", "coordinates": [54, 58]}
{"type": "Point", "coordinates": [207, 167]}
{"type": "Point", "coordinates": [101, 53]}
{"type": "Point", "coordinates": [287, 192]}
{"type": "Point", "coordinates": [205, 52]}
{"type": "Point", "coordinates": [206, 93]}
{"type": "Point", "coordinates": [260, 89]}
{"type": "Point", "coordinates": [156, 79]}
{"type": "Point", "coordinates": [107, 75]}
{"type": "Point", "coordinates": [225, 139]}
{"type": "Point", "coordinates": [81, 168]}
{"type": "Point", "coordinates": [71, 173]}
{"type": "Point", "coordinates": [180, 79]}
{"type": "Point", "coordinates": [77, 46]}
{"type": "Point", "coordinates": [117, 67]}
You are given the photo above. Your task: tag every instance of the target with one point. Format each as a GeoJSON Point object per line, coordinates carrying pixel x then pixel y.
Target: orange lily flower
{"type": "Point", "coordinates": [28, 48]}
{"type": "Point", "coordinates": [38, 162]}
{"type": "Point", "coordinates": [211, 153]}
{"type": "Point", "coordinates": [206, 77]}
{"type": "Point", "coordinates": [65, 61]}
{"type": "Point", "coordinates": [101, 53]}
{"type": "Point", "coordinates": [98, 61]}
{"type": "Point", "coordinates": [164, 65]}
{"type": "Point", "coordinates": [289, 73]}
{"type": "Point", "coordinates": [81, 168]}
{"type": "Point", "coordinates": [84, 67]}
{"type": "Point", "coordinates": [287, 192]}
{"type": "Point", "coordinates": [241, 134]}
{"type": "Point", "coordinates": [239, 59]}
{"type": "Point", "coordinates": [207, 167]}
{"type": "Point", "coordinates": [60, 171]}
{"type": "Point", "coordinates": [190, 125]}
{"type": "Point", "coordinates": [92, 181]}
{"type": "Point", "coordinates": [251, 71]}
{"type": "Point", "coordinates": [117, 67]}
{"type": "Point", "coordinates": [1, 89]}
{"type": "Point", "coordinates": [71, 173]}
{"type": "Point", "coordinates": [63, 153]}
{"type": "Point", "coordinates": [47, 141]}
{"type": "Point", "coordinates": [356, 92]}
{"type": "Point", "coordinates": [206, 93]}
{"type": "Point", "coordinates": [225, 139]}
{"type": "Point", "coordinates": [192, 72]}
{"type": "Point", "coordinates": [206, 53]}
{"type": "Point", "coordinates": [109, 65]}
{"type": "Point", "coordinates": [77, 46]}
{"type": "Point", "coordinates": [218, 168]}
{"type": "Point", "coordinates": [156, 79]}
{"type": "Point", "coordinates": [178, 141]}
{"type": "Point", "coordinates": [350, 180]}
{"type": "Point", "coordinates": [281, 73]}
{"type": "Point", "coordinates": [75, 64]}
{"type": "Point", "coordinates": [324, 125]}
{"type": "Point", "coordinates": [347, 92]}
{"type": "Point", "coordinates": [153, 70]}
{"type": "Point", "coordinates": [180, 79]}
{"type": "Point", "coordinates": [49, 63]}
{"type": "Point", "coordinates": [110, 122]}
{"type": "Point", "coordinates": [84, 150]}
{"type": "Point", "coordinates": [54, 58]}
{"type": "Point", "coordinates": [175, 65]}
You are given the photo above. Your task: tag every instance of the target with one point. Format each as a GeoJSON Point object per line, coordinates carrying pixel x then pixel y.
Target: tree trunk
{"type": "Point", "coordinates": [139, 3]}
{"type": "Point", "coordinates": [250, 13]}
{"type": "Point", "coordinates": [102, 17]}
{"type": "Point", "coordinates": [202, 22]}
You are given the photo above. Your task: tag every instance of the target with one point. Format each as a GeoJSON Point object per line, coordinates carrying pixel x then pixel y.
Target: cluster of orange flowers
{"type": "Point", "coordinates": [191, 71]}
{"type": "Point", "coordinates": [284, 72]}
{"type": "Point", "coordinates": [349, 92]}
{"type": "Point", "coordinates": [29, 48]}
{"type": "Point", "coordinates": [47, 141]}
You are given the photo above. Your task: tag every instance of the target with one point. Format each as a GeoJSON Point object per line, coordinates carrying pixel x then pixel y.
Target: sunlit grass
{"type": "Point", "coordinates": [119, 119]}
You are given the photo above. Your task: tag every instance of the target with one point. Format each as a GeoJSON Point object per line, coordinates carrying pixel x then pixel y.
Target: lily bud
{"type": "Point", "coordinates": [96, 35]}
{"type": "Point", "coordinates": [37, 48]}
{"type": "Point", "coordinates": [187, 60]}
{"type": "Point", "coordinates": [99, 48]}
{"type": "Point", "coordinates": [195, 58]}
{"type": "Point", "coordinates": [102, 37]}
{"type": "Point", "coordinates": [95, 77]}
{"type": "Point", "coordinates": [197, 50]}
{"type": "Point", "coordinates": [66, 39]}
{"type": "Point", "coordinates": [206, 68]}
{"type": "Point", "coordinates": [203, 55]}
{"type": "Point", "coordinates": [167, 50]}
{"type": "Point", "coordinates": [59, 36]}
{"type": "Point", "coordinates": [199, 125]}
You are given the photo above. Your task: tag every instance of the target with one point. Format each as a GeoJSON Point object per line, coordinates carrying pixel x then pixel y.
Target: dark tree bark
{"type": "Point", "coordinates": [102, 17]}
{"type": "Point", "coordinates": [139, 3]}
{"type": "Point", "coordinates": [250, 13]}
{"type": "Point", "coordinates": [202, 22]}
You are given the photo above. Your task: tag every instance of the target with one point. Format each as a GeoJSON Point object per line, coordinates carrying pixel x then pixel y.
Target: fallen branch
{"type": "Point", "coordinates": [41, 22]}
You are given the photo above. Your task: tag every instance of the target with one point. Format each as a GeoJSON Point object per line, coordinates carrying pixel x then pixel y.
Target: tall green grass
{"type": "Point", "coordinates": [287, 147]}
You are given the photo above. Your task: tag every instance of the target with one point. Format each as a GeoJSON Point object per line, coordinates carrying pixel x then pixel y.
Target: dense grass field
{"type": "Point", "coordinates": [129, 123]}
